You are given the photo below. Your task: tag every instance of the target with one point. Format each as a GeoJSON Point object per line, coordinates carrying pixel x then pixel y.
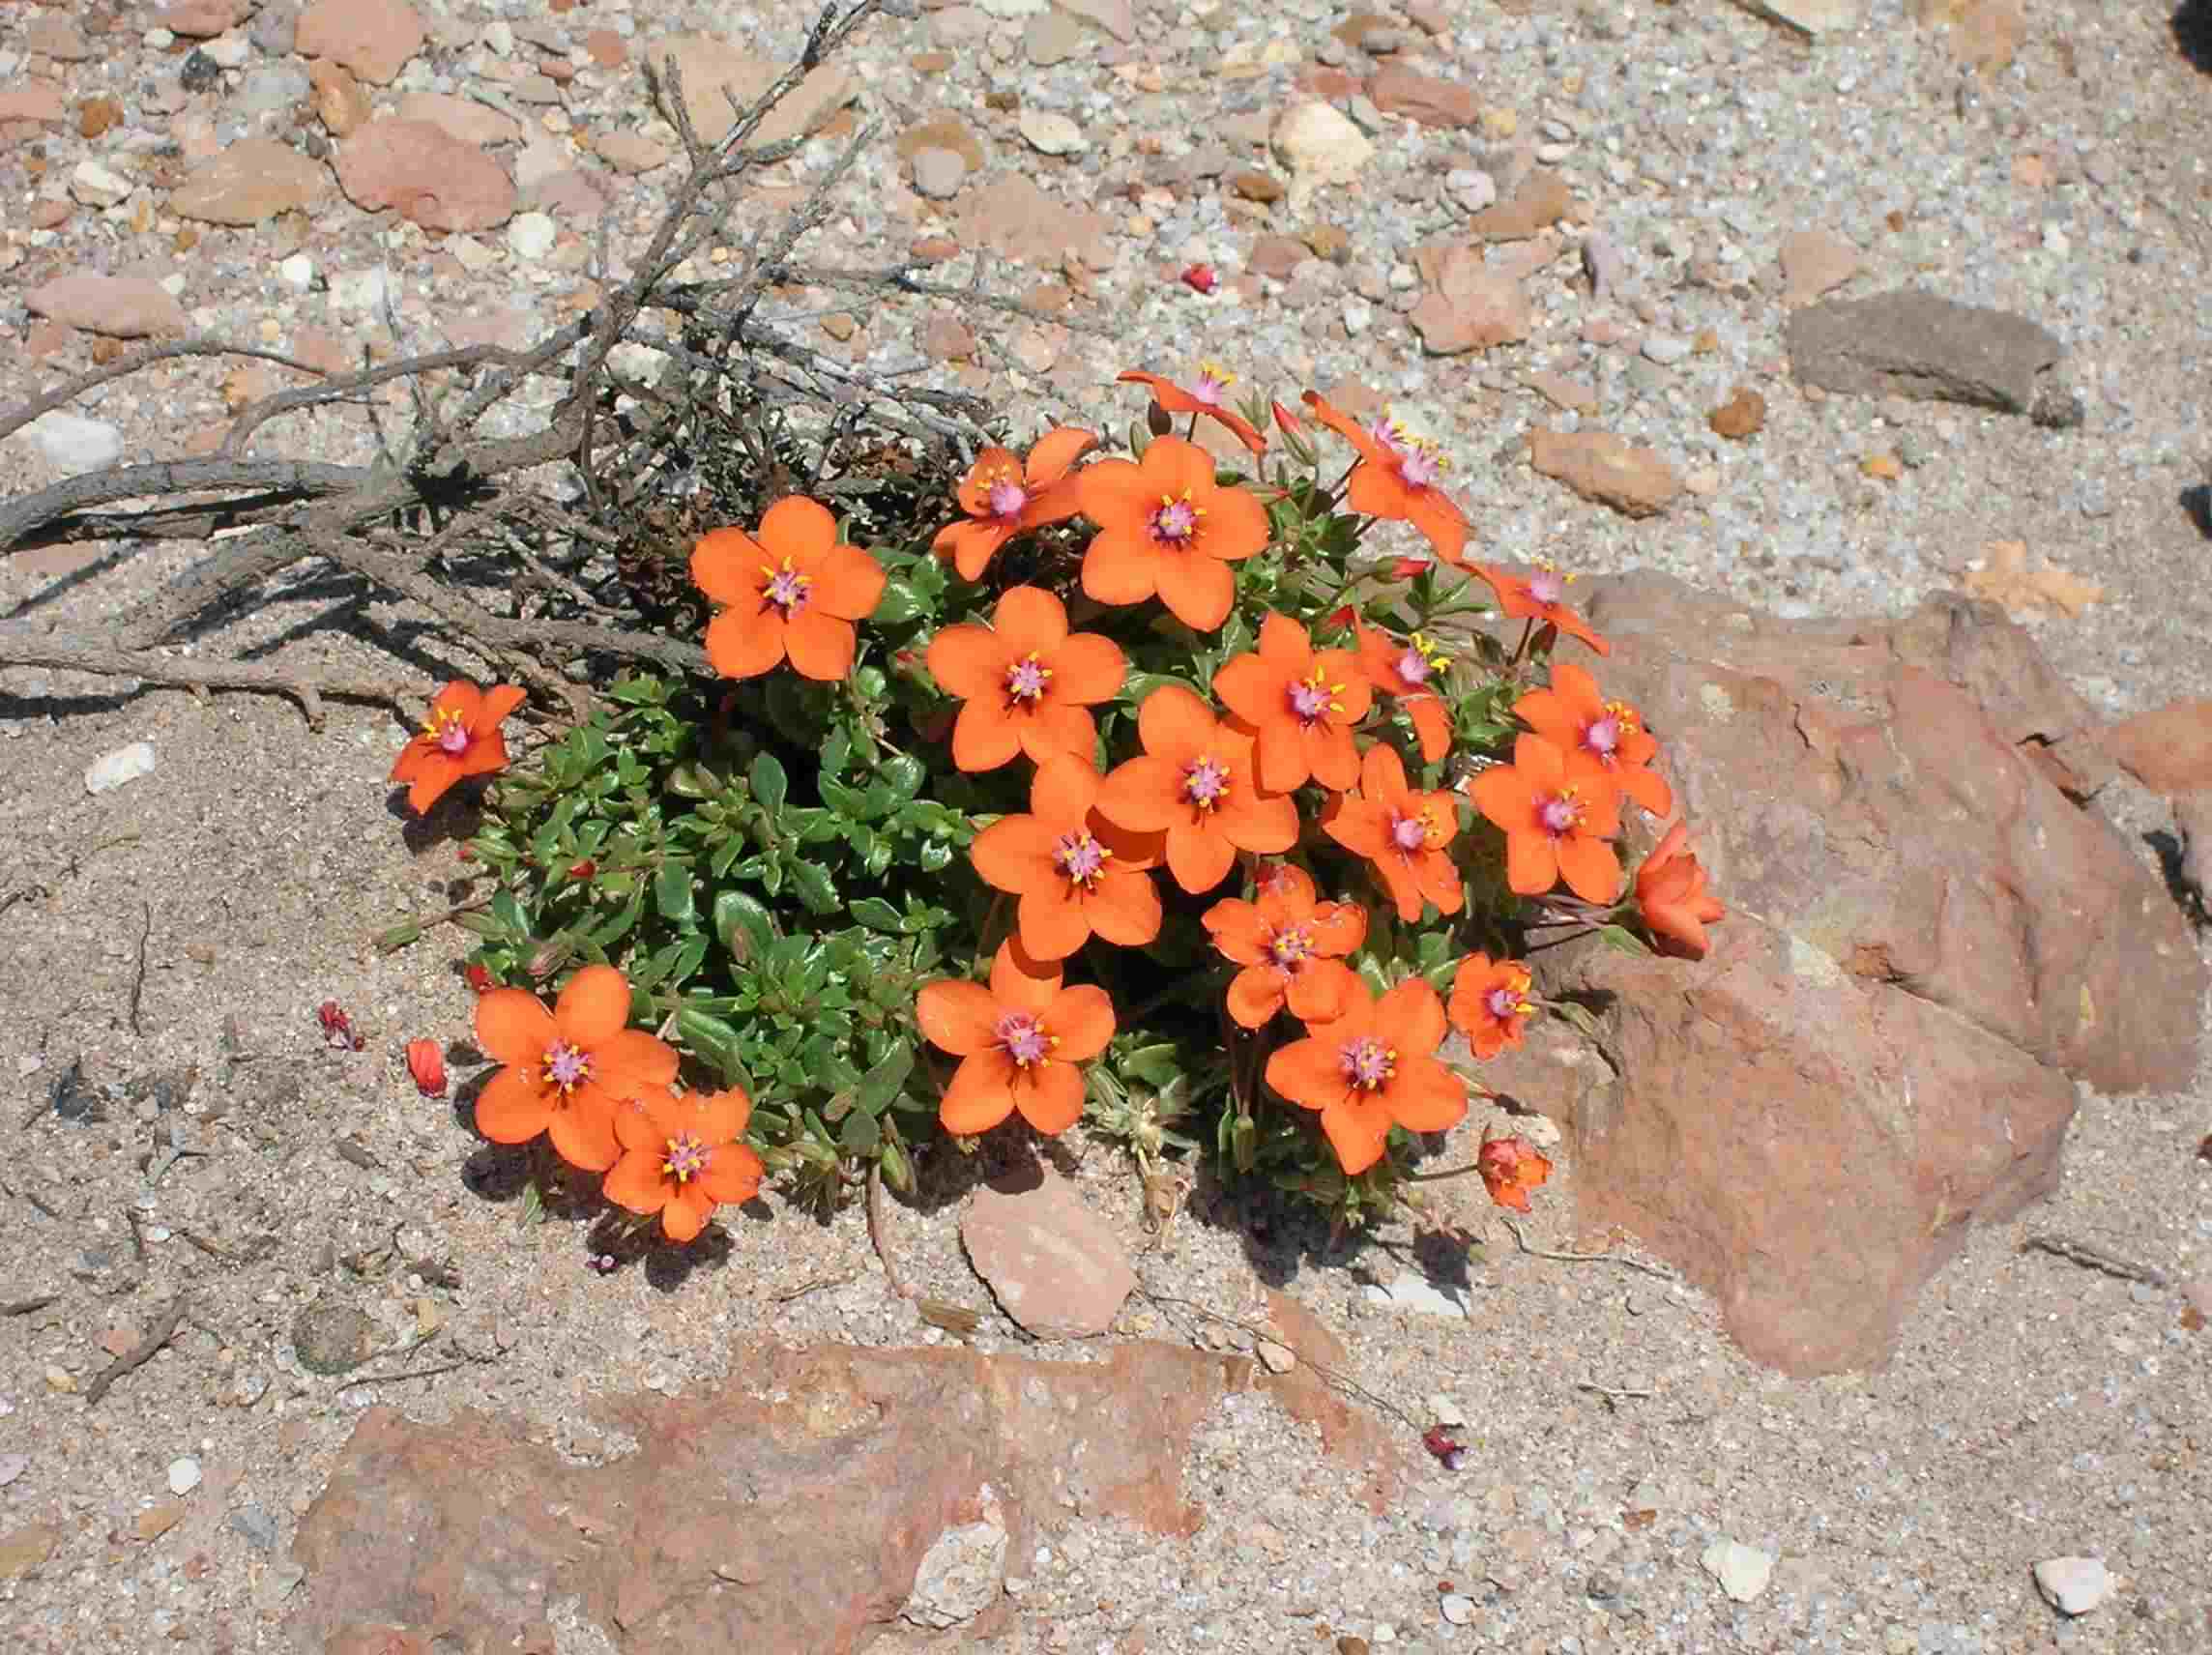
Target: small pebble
{"type": "Point", "coordinates": [110, 771]}
{"type": "Point", "coordinates": [11, 1467]}
{"type": "Point", "coordinates": [1665, 349]}
{"type": "Point", "coordinates": [184, 1476]}
{"type": "Point", "coordinates": [532, 235]}
{"type": "Point", "coordinates": [1456, 1609]}
{"type": "Point", "coordinates": [2073, 1585]}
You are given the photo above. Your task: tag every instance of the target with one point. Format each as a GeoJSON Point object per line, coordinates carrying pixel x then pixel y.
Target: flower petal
{"type": "Point", "coordinates": [1082, 1020]}
{"type": "Point", "coordinates": [1051, 1100]}
{"type": "Point", "coordinates": [1255, 995]}
{"type": "Point", "coordinates": [956, 1016]}
{"type": "Point", "coordinates": [1117, 496]}
{"type": "Point", "coordinates": [513, 1107]}
{"type": "Point", "coordinates": [1166, 392]}
{"type": "Point", "coordinates": [1414, 1013]}
{"type": "Point", "coordinates": [800, 529]}
{"type": "Point", "coordinates": [1357, 1131]}
{"type": "Point", "coordinates": [1125, 909]}
{"type": "Point", "coordinates": [1014, 853]}
{"type": "Point", "coordinates": [636, 1180]}
{"type": "Point", "coordinates": [1425, 1097]}
{"type": "Point", "coordinates": [848, 583]}
{"type": "Point", "coordinates": [1139, 795]}
{"type": "Point", "coordinates": [584, 1135]}
{"type": "Point", "coordinates": [1054, 922]}
{"type": "Point", "coordinates": [1052, 454]}
{"type": "Point", "coordinates": [1055, 732]}
{"type": "Point", "coordinates": [513, 1027]}
{"type": "Point", "coordinates": [986, 735]}
{"type": "Point", "coordinates": [975, 491]}
{"type": "Point", "coordinates": [969, 661]}
{"type": "Point", "coordinates": [594, 1008]}
{"type": "Point", "coordinates": [1087, 668]}
{"type": "Point", "coordinates": [1309, 1072]}
{"type": "Point", "coordinates": [634, 1064]}
{"type": "Point", "coordinates": [1431, 723]}
{"type": "Point", "coordinates": [821, 646]}
{"type": "Point", "coordinates": [742, 643]}
{"type": "Point", "coordinates": [732, 1173]}
{"type": "Point", "coordinates": [1197, 587]}
{"type": "Point", "coordinates": [1238, 929]}
{"type": "Point", "coordinates": [1029, 617]}
{"type": "Point", "coordinates": [980, 1095]}
{"type": "Point", "coordinates": [1531, 863]}
{"type": "Point", "coordinates": [1174, 723]}
{"type": "Point", "coordinates": [725, 566]}
{"type": "Point", "coordinates": [1199, 857]}
{"type": "Point", "coordinates": [434, 772]}
{"type": "Point", "coordinates": [1589, 867]}
{"type": "Point", "coordinates": [499, 705]}
{"type": "Point", "coordinates": [1322, 991]}
{"type": "Point", "coordinates": [686, 1213]}
{"type": "Point", "coordinates": [971, 545]}
{"type": "Point", "coordinates": [1119, 567]}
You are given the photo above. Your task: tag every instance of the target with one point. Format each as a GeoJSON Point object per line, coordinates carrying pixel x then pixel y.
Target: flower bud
{"type": "Point", "coordinates": [427, 1064]}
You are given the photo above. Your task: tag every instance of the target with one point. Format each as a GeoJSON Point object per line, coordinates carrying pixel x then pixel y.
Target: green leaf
{"type": "Point", "coordinates": [510, 915]}
{"type": "Point", "coordinates": [814, 887]}
{"type": "Point", "coordinates": [617, 928]}
{"type": "Point", "coordinates": [742, 923]}
{"type": "Point", "coordinates": [672, 894]}
{"type": "Point", "coordinates": [877, 914]}
{"type": "Point", "coordinates": [483, 925]}
{"type": "Point", "coordinates": [859, 1135]}
{"type": "Point", "coordinates": [849, 802]}
{"type": "Point", "coordinates": [1621, 938]}
{"type": "Point", "coordinates": [906, 775]}
{"type": "Point", "coordinates": [935, 857]}
{"type": "Point", "coordinates": [899, 602]}
{"type": "Point", "coordinates": [401, 935]}
{"type": "Point", "coordinates": [1156, 1065]}
{"type": "Point", "coordinates": [836, 752]}
{"type": "Point", "coordinates": [881, 1084]}
{"type": "Point", "coordinates": [1139, 685]}
{"type": "Point", "coordinates": [714, 1040]}
{"type": "Point", "coordinates": [769, 783]}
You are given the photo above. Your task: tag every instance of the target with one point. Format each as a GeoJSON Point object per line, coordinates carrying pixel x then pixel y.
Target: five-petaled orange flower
{"type": "Point", "coordinates": [1302, 706]}
{"type": "Point", "coordinates": [460, 738]}
{"type": "Point", "coordinates": [1026, 682]}
{"type": "Point", "coordinates": [1370, 1069]}
{"type": "Point", "coordinates": [1671, 892]}
{"type": "Point", "coordinates": [1606, 736]}
{"type": "Point", "coordinates": [1291, 950]}
{"type": "Point", "coordinates": [1209, 396]}
{"type": "Point", "coordinates": [1405, 833]}
{"type": "Point", "coordinates": [1490, 1003]}
{"type": "Point", "coordinates": [1542, 596]}
{"type": "Point", "coordinates": [1018, 1043]}
{"type": "Point", "coordinates": [1510, 1168]}
{"type": "Point", "coordinates": [1194, 783]}
{"type": "Point", "coordinates": [794, 591]}
{"type": "Point", "coordinates": [1396, 478]}
{"type": "Point", "coordinates": [1555, 822]}
{"type": "Point", "coordinates": [1075, 872]}
{"type": "Point", "coordinates": [1166, 527]}
{"type": "Point", "coordinates": [1004, 497]}
{"type": "Point", "coordinates": [567, 1069]}
{"type": "Point", "coordinates": [1409, 668]}
{"type": "Point", "coordinates": [680, 1156]}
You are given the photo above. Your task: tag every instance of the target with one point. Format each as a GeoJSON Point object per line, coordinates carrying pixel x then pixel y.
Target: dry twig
{"type": "Point", "coordinates": [2094, 1257]}
{"type": "Point", "coordinates": [1620, 1259]}
{"type": "Point", "coordinates": [138, 1355]}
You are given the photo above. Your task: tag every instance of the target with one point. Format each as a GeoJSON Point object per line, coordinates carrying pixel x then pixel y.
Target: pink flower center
{"type": "Point", "coordinates": [1204, 781]}
{"type": "Point", "coordinates": [1175, 522]}
{"type": "Point", "coordinates": [566, 1067]}
{"type": "Point", "coordinates": [1559, 814]}
{"type": "Point", "coordinates": [1548, 586]}
{"type": "Point", "coordinates": [1081, 858]}
{"type": "Point", "coordinates": [1603, 737]}
{"type": "Point", "coordinates": [1419, 463]}
{"type": "Point", "coordinates": [1311, 700]}
{"type": "Point", "coordinates": [447, 730]}
{"type": "Point", "coordinates": [1291, 947]}
{"type": "Point", "coordinates": [1408, 833]}
{"type": "Point", "coordinates": [1212, 381]}
{"type": "Point", "coordinates": [1413, 666]}
{"type": "Point", "coordinates": [785, 589]}
{"type": "Point", "coordinates": [1367, 1062]}
{"type": "Point", "coordinates": [1008, 498]}
{"type": "Point", "coordinates": [1023, 1038]}
{"type": "Point", "coordinates": [687, 1157]}
{"type": "Point", "coordinates": [1508, 1001]}
{"type": "Point", "coordinates": [1026, 680]}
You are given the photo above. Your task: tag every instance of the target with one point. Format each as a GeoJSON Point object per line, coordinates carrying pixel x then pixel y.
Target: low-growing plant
{"type": "Point", "coordinates": [1145, 792]}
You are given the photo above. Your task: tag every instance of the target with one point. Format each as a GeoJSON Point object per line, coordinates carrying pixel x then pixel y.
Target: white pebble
{"type": "Point", "coordinates": [184, 1476]}
{"type": "Point", "coordinates": [70, 443]}
{"type": "Point", "coordinates": [1052, 133]}
{"type": "Point", "coordinates": [532, 235]}
{"type": "Point", "coordinates": [298, 271]}
{"type": "Point", "coordinates": [1457, 1609]}
{"type": "Point", "coordinates": [110, 771]}
{"type": "Point", "coordinates": [230, 51]}
{"type": "Point", "coordinates": [2074, 1585]}
{"type": "Point", "coordinates": [1665, 349]}
{"type": "Point", "coordinates": [1359, 316]}
{"type": "Point", "coordinates": [1742, 1570]}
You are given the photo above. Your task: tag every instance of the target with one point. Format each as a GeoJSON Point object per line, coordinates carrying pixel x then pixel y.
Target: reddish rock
{"type": "Point", "coordinates": [1741, 416]}
{"type": "Point", "coordinates": [1331, 85]}
{"type": "Point", "coordinates": [202, 19]}
{"type": "Point", "coordinates": [1542, 201]}
{"type": "Point", "coordinates": [1599, 466]}
{"type": "Point", "coordinates": [2168, 750]}
{"type": "Point", "coordinates": [569, 193]}
{"type": "Point", "coordinates": [1812, 262]}
{"type": "Point", "coordinates": [341, 103]}
{"type": "Point", "coordinates": [39, 100]}
{"type": "Point", "coordinates": [946, 338]}
{"type": "Point", "coordinates": [1050, 1261]}
{"type": "Point", "coordinates": [1426, 99]}
{"type": "Point", "coordinates": [372, 38]}
{"type": "Point", "coordinates": [785, 1516]}
{"type": "Point", "coordinates": [1927, 945]}
{"type": "Point", "coordinates": [253, 179]}
{"type": "Point", "coordinates": [606, 48]}
{"type": "Point", "coordinates": [121, 307]}
{"type": "Point", "coordinates": [1010, 216]}
{"type": "Point", "coordinates": [427, 173]}
{"type": "Point", "coordinates": [721, 79]}
{"type": "Point", "coordinates": [463, 118]}
{"type": "Point", "coordinates": [1276, 257]}
{"type": "Point", "coordinates": [1467, 306]}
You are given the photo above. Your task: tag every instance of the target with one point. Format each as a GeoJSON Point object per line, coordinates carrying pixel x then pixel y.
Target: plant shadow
{"type": "Point", "coordinates": [2193, 34]}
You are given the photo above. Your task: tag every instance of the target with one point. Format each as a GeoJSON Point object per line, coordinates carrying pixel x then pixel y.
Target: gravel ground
{"type": "Point", "coordinates": [2034, 1409]}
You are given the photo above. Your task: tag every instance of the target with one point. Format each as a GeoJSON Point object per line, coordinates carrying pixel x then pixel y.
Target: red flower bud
{"type": "Point", "coordinates": [1284, 419]}
{"type": "Point", "coordinates": [1406, 568]}
{"type": "Point", "coordinates": [583, 870]}
{"type": "Point", "coordinates": [427, 1064]}
{"type": "Point", "coordinates": [1201, 278]}
{"type": "Point", "coordinates": [479, 979]}
{"type": "Point", "coordinates": [1344, 617]}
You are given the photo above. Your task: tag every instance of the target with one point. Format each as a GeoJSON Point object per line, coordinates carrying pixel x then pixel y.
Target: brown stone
{"type": "Point", "coordinates": [786, 1515]}
{"type": "Point", "coordinates": [341, 103]}
{"type": "Point", "coordinates": [121, 307]}
{"type": "Point", "coordinates": [22, 1550]}
{"type": "Point", "coordinates": [427, 173]}
{"type": "Point", "coordinates": [1741, 416]}
{"type": "Point", "coordinates": [2170, 749]}
{"type": "Point", "coordinates": [253, 179]}
{"type": "Point", "coordinates": [1253, 184]}
{"type": "Point", "coordinates": [1812, 262]}
{"type": "Point", "coordinates": [1052, 1264]}
{"type": "Point", "coordinates": [463, 118]}
{"type": "Point", "coordinates": [606, 48]}
{"type": "Point", "coordinates": [944, 133]}
{"type": "Point", "coordinates": [1007, 214]}
{"type": "Point", "coordinates": [1599, 466]}
{"type": "Point", "coordinates": [1276, 257]}
{"type": "Point", "coordinates": [1428, 99]}
{"type": "Point", "coordinates": [1927, 945]}
{"type": "Point", "coordinates": [1469, 307]}
{"type": "Point", "coordinates": [202, 19]}
{"type": "Point", "coordinates": [946, 339]}
{"type": "Point", "coordinates": [40, 103]}
{"type": "Point", "coordinates": [156, 1520]}
{"type": "Point", "coordinates": [1563, 392]}
{"type": "Point", "coordinates": [1983, 34]}
{"type": "Point", "coordinates": [1542, 201]}
{"type": "Point", "coordinates": [720, 80]}
{"type": "Point", "coordinates": [372, 38]}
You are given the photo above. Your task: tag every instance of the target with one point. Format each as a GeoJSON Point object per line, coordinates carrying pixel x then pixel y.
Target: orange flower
{"type": "Point", "coordinates": [1208, 398]}
{"type": "Point", "coordinates": [1025, 682]}
{"type": "Point", "coordinates": [1410, 671]}
{"type": "Point", "coordinates": [1291, 950]}
{"type": "Point", "coordinates": [1019, 1041]}
{"type": "Point", "coordinates": [1166, 527]}
{"type": "Point", "coordinates": [567, 1068]}
{"type": "Point", "coordinates": [1406, 833]}
{"type": "Point", "coordinates": [460, 738]}
{"type": "Point", "coordinates": [1194, 783]}
{"type": "Point", "coordinates": [428, 1065]}
{"type": "Point", "coordinates": [681, 1157]}
{"type": "Point", "coordinates": [1540, 597]}
{"type": "Point", "coordinates": [1004, 497]}
{"type": "Point", "coordinates": [1396, 478]}
{"type": "Point", "coordinates": [1556, 825]}
{"type": "Point", "coordinates": [1671, 892]}
{"type": "Point", "coordinates": [1490, 1003]}
{"type": "Point", "coordinates": [1370, 1069]}
{"type": "Point", "coordinates": [1605, 737]}
{"type": "Point", "coordinates": [794, 590]}
{"type": "Point", "coordinates": [1510, 1168]}
{"type": "Point", "coordinates": [1302, 704]}
{"type": "Point", "coordinates": [1075, 872]}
